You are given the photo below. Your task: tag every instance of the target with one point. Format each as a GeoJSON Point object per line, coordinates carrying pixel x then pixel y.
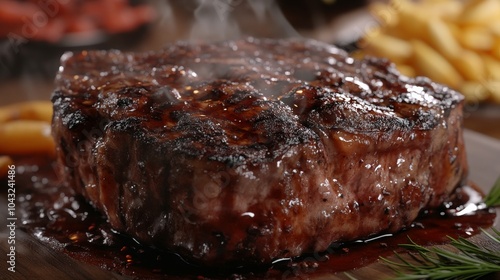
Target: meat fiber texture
{"type": "Point", "coordinates": [256, 149]}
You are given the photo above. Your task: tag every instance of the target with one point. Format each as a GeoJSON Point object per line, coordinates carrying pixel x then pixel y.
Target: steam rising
{"type": "Point", "coordinates": [213, 21]}
{"type": "Point", "coordinates": [216, 20]}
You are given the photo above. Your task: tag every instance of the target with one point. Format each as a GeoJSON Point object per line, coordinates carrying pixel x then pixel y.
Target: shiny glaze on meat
{"type": "Point", "coordinates": [252, 150]}
{"type": "Point", "coordinates": [65, 222]}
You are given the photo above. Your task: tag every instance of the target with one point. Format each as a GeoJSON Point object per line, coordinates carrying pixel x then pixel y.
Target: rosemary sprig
{"type": "Point", "coordinates": [470, 262]}
{"type": "Point", "coordinates": [493, 197]}
{"type": "Point", "coordinates": [467, 261]}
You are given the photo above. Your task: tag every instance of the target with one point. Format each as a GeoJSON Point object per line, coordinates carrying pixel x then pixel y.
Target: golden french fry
{"type": "Point", "coordinates": [496, 49]}
{"type": "Point", "coordinates": [481, 12]}
{"type": "Point", "coordinates": [494, 27]}
{"type": "Point", "coordinates": [434, 65]}
{"type": "Point", "coordinates": [5, 161]}
{"type": "Point", "coordinates": [26, 137]}
{"type": "Point", "coordinates": [33, 110]}
{"type": "Point", "coordinates": [442, 38]}
{"type": "Point", "coordinates": [406, 70]}
{"type": "Point", "coordinates": [370, 33]}
{"type": "Point", "coordinates": [387, 46]}
{"type": "Point", "coordinates": [492, 66]}
{"type": "Point", "coordinates": [470, 65]}
{"type": "Point", "coordinates": [414, 23]}
{"type": "Point", "coordinates": [452, 42]}
{"type": "Point", "coordinates": [384, 14]}
{"type": "Point", "coordinates": [477, 38]}
{"type": "Point", "coordinates": [447, 10]}
{"type": "Point", "coordinates": [455, 30]}
{"type": "Point", "coordinates": [474, 91]}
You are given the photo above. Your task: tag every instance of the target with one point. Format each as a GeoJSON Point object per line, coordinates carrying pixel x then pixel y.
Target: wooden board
{"type": "Point", "coordinates": [35, 260]}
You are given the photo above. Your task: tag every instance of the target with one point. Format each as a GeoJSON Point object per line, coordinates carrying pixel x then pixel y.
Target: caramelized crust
{"type": "Point", "coordinates": [252, 150]}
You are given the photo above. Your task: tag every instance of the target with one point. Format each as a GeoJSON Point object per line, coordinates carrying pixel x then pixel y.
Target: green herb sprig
{"type": "Point", "coordinates": [493, 197]}
{"type": "Point", "coordinates": [467, 261]}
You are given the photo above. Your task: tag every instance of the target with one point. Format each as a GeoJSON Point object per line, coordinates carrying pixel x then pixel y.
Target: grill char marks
{"type": "Point", "coordinates": [251, 150]}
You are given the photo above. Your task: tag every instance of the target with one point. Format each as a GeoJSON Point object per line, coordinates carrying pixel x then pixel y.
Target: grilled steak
{"type": "Point", "coordinates": [257, 149]}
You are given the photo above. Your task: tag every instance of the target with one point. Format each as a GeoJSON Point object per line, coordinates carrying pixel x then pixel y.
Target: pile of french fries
{"type": "Point", "coordinates": [25, 130]}
{"type": "Point", "coordinates": [453, 42]}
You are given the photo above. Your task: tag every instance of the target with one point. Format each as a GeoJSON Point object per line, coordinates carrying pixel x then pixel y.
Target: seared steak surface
{"type": "Point", "coordinates": [252, 150]}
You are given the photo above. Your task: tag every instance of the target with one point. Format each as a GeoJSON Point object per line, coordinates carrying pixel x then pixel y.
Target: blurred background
{"type": "Point", "coordinates": [453, 42]}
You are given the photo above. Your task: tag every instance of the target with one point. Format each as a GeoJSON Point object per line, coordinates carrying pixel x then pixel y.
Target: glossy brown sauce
{"type": "Point", "coordinates": [65, 222]}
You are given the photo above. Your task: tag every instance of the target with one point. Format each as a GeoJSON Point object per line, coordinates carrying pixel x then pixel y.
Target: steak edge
{"type": "Point", "coordinates": [251, 150]}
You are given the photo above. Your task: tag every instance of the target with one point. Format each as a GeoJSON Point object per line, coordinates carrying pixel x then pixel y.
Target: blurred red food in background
{"type": "Point", "coordinates": [51, 20]}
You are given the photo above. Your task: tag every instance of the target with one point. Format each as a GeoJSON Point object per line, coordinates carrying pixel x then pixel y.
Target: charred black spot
{"type": "Point", "coordinates": [124, 102]}
{"type": "Point", "coordinates": [74, 120]}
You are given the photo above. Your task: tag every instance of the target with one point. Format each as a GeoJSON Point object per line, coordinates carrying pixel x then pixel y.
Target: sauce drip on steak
{"type": "Point", "coordinates": [257, 149]}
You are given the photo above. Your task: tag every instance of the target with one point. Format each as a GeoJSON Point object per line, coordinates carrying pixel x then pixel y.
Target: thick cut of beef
{"type": "Point", "coordinates": [256, 149]}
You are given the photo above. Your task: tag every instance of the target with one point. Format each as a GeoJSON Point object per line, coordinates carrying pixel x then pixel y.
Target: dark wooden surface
{"type": "Point", "coordinates": [484, 118]}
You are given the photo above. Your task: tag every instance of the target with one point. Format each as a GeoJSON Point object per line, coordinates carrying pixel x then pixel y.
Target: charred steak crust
{"type": "Point", "coordinates": [256, 149]}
